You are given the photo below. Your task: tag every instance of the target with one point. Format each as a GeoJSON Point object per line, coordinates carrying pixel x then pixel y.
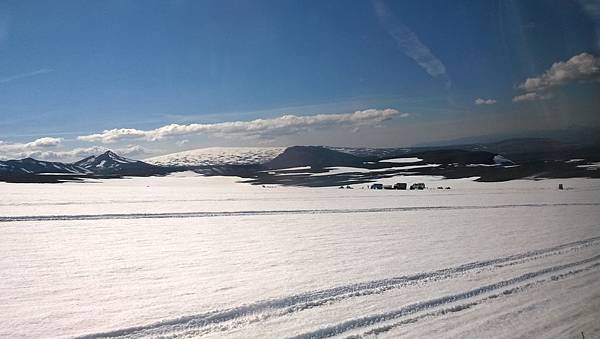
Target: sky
{"type": "Point", "coordinates": [146, 78]}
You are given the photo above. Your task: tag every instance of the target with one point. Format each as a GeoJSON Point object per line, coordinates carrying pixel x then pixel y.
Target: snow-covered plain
{"type": "Point", "coordinates": [191, 256]}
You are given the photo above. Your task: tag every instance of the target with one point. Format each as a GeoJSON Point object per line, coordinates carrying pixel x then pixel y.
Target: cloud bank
{"type": "Point", "coordinates": [583, 67]}
{"type": "Point", "coordinates": [259, 128]}
{"type": "Point", "coordinates": [40, 143]}
{"type": "Point", "coordinates": [23, 150]}
{"type": "Point", "coordinates": [14, 151]}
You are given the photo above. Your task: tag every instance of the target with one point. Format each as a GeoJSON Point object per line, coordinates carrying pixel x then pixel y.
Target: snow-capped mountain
{"type": "Point", "coordinates": [32, 166]}
{"type": "Point", "coordinates": [112, 163]}
{"type": "Point", "coordinates": [107, 164]}
{"type": "Point", "coordinates": [215, 156]}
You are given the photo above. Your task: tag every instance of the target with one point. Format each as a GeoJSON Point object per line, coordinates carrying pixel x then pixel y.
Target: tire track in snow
{"type": "Point", "coordinates": [468, 305]}
{"type": "Point", "coordinates": [437, 302]}
{"type": "Point", "coordinates": [69, 217]}
{"type": "Point", "coordinates": [296, 303]}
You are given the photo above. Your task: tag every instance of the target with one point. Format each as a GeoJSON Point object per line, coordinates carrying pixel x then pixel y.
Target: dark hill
{"type": "Point", "coordinates": [448, 156]}
{"type": "Point", "coordinates": [314, 156]}
{"type": "Point", "coordinates": [33, 166]}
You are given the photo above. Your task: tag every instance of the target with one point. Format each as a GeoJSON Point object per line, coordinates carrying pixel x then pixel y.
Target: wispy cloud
{"type": "Point", "coordinates": [592, 9]}
{"type": "Point", "coordinates": [20, 76]}
{"type": "Point", "coordinates": [533, 96]}
{"type": "Point", "coordinates": [259, 128]}
{"type": "Point", "coordinates": [409, 42]}
{"type": "Point", "coordinates": [481, 101]}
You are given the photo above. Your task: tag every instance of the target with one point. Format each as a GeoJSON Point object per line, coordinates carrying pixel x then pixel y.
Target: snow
{"type": "Point", "coordinates": [291, 173]}
{"type": "Point", "coordinates": [347, 170]}
{"type": "Point", "coordinates": [293, 168]}
{"type": "Point", "coordinates": [500, 160]}
{"type": "Point", "coordinates": [342, 170]}
{"type": "Point", "coordinates": [414, 167]}
{"type": "Point", "coordinates": [592, 166]}
{"type": "Point", "coordinates": [282, 171]}
{"type": "Point", "coordinates": [403, 160]}
{"type": "Point", "coordinates": [187, 255]}
{"type": "Point", "coordinates": [482, 165]}
{"type": "Point", "coordinates": [218, 156]}
{"type": "Point", "coordinates": [101, 164]}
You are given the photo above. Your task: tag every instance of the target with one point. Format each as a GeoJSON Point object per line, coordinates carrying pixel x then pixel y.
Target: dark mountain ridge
{"type": "Point", "coordinates": [313, 156]}
{"type": "Point", "coordinates": [105, 165]}
{"type": "Point", "coordinates": [311, 165]}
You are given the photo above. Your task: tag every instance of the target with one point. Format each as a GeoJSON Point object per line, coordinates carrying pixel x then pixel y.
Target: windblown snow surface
{"type": "Point", "coordinates": [192, 256]}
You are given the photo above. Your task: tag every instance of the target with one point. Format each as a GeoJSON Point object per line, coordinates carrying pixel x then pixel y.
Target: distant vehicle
{"type": "Point", "coordinates": [417, 186]}
{"type": "Point", "coordinates": [388, 187]}
{"type": "Point", "coordinates": [400, 186]}
{"type": "Point", "coordinates": [377, 186]}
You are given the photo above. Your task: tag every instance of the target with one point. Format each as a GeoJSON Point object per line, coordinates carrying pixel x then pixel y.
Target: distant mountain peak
{"type": "Point", "coordinates": [110, 162]}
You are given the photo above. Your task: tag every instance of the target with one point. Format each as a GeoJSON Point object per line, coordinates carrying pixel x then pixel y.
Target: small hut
{"type": "Point", "coordinates": [417, 186]}
{"type": "Point", "coordinates": [400, 186]}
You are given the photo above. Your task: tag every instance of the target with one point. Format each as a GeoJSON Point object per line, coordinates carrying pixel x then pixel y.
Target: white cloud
{"type": "Point", "coordinates": [259, 128]}
{"type": "Point", "coordinates": [22, 150]}
{"type": "Point", "coordinates": [582, 67]}
{"type": "Point", "coordinates": [481, 101]}
{"type": "Point", "coordinates": [532, 96]}
{"type": "Point", "coordinates": [409, 43]}
{"type": "Point", "coordinates": [45, 142]}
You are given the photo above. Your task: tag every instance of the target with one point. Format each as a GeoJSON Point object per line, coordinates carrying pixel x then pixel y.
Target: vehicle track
{"type": "Point", "coordinates": [110, 216]}
{"type": "Point", "coordinates": [199, 324]}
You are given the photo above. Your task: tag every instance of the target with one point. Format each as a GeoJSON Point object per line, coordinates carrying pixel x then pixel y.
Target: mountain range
{"type": "Point", "coordinates": [328, 166]}
{"type": "Point", "coordinates": [105, 165]}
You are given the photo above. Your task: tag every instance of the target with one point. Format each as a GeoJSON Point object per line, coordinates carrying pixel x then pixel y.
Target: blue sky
{"type": "Point", "coordinates": [116, 74]}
